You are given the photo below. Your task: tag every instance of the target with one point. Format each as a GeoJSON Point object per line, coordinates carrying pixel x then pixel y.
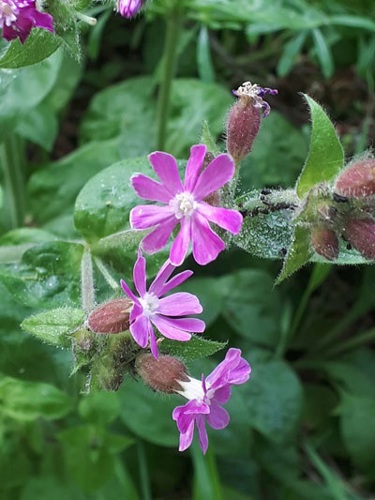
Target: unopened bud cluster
{"type": "Point", "coordinates": [350, 214]}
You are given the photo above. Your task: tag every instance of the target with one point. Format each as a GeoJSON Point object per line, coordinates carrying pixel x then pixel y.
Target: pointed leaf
{"type": "Point", "coordinates": [298, 254]}
{"type": "Point", "coordinates": [326, 156]}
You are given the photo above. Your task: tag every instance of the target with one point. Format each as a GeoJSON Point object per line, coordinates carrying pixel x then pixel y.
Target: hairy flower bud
{"type": "Point", "coordinates": [361, 235]}
{"type": "Point", "coordinates": [111, 317]}
{"type": "Point", "coordinates": [129, 8]}
{"type": "Point", "coordinates": [325, 242]}
{"type": "Point", "coordinates": [161, 374]}
{"type": "Point", "coordinates": [358, 180]}
{"type": "Point", "coordinates": [244, 119]}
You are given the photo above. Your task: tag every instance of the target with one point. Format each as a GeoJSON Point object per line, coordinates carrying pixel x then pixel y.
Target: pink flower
{"type": "Point", "coordinates": [165, 313]}
{"type": "Point", "coordinates": [184, 205]}
{"type": "Point", "coordinates": [18, 17]}
{"type": "Point", "coordinates": [206, 397]}
{"type": "Point", "coordinates": [129, 8]}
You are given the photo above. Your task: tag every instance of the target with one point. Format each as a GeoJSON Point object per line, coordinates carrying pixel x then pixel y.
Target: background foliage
{"type": "Point", "coordinates": [303, 427]}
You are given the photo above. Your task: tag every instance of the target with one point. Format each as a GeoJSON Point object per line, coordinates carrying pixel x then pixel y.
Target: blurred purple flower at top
{"type": "Point", "coordinates": [256, 93]}
{"type": "Point", "coordinates": [206, 397]}
{"type": "Point", "coordinates": [150, 309]}
{"type": "Point", "coordinates": [129, 8]}
{"type": "Point", "coordinates": [18, 17]}
{"type": "Point", "coordinates": [184, 205]}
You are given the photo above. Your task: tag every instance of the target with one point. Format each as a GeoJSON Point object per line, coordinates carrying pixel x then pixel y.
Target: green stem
{"type": "Point", "coordinates": [107, 276]}
{"type": "Point", "coordinates": [12, 161]}
{"type": "Point", "coordinates": [169, 66]}
{"type": "Point", "coordinates": [143, 471]}
{"type": "Point", "coordinates": [351, 343]}
{"type": "Point", "coordinates": [87, 282]}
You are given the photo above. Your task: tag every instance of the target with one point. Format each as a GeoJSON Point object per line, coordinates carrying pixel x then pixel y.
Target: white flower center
{"type": "Point", "coordinates": [193, 389]}
{"type": "Point", "coordinates": [183, 205]}
{"type": "Point", "coordinates": [8, 13]}
{"type": "Point", "coordinates": [150, 304]}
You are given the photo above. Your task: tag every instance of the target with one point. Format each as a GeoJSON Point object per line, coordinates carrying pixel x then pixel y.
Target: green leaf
{"type": "Point", "coordinates": [298, 254]}
{"type": "Point", "coordinates": [54, 326]}
{"type": "Point", "coordinates": [195, 348]}
{"type": "Point", "coordinates": [326, 156]}
{"type": "Point", "coordinates": [102, 207]}
{"type": "Point", "coordinates": [353, 22]}
{"type": "Point", "coordinates": [100, 408]}
{"type": "Point", "coordinates": [251, 306]}
{"type": "Point", "coordinates": [40, 126]}
{"type": "Point", "coordinates": [274, 400]}
{"type": "Point", "coordinates": [358, 429]}
{"type": "Point", "coordinates": [25, 401]}
{"type": "Point", "coordinates": [149, 414]}
{"type": "Point", "coordinates": [89, 454]}
{"type": "Point", "coordinates": [210, 295]}
{"type": "Point", "coordinates": [290, 53]}
{"type": "Point", "coordinates": [206, 483]}
{"type": "Point", "coordinates": [53, 190]}
{"type": "Point", "coordinates": [204, 60]}
{"type": "Point", "coordinates": [323, 53]}
{"type": "Point", "coordinates": [38, 46]}
{"type": "Point", "coordinates": [48, 275]}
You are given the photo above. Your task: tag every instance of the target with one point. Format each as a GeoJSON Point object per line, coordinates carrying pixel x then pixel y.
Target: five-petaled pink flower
{"type": "Point", "coordinates": [150, 309]}
{"type": "Point", "coordinates": [18, 17]}
{"type": "Point", "coordinates": [184, 205]}
{"type": "Point", "coordinates": [129, 8]}
{"type": "Point", "coordinates": [206, 397]}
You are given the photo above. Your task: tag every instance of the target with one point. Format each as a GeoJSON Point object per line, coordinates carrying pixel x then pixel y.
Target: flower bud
{"type": "Point", "coordinates": [358, 180]}
{"type": "Point", "coordinates": [111, 317]}
{"type": "Point", "coordinates": [244, 119]}
{"type": "Point", "coordinates": [161, 374]}
{"type": "Point", "coordinates": [325, 242]}
{"type": "Point", "coordinates": [361, 235]}
{"type": "Point", "coordinates": [129, 8]}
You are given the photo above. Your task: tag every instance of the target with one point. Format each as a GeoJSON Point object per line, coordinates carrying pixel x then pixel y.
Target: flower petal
{"type": "Point", "coordinates": [231, 220]}
{"type": "Point", "coordinates": [194, 165]}
{"type": "Point", "coordinates": [222, 394]}
{"type": "Point", "coordinates": [206, 244]}
{"type": "Point", "coordinates": [232, 370]}
{"type": "Point", "coordinates": [128, 292]}
{"type": "Point", "coordinates": [153, 343]}
{"type": "Point", "coordinates": [167, 328]}
{"type": "Point", "coordinates": [180, 245]}
{"type": "Point", "coordinates": [202, 433]}
{"type": "Point", "coordinates": [179, 304]}
{"type": "Point", "coordinates": [217, 173]}
{"type": "Point", "coordinates": [218, 417]}
{"type": "Point", "coordinates": [158, 238]}
{"type": "Point", "coordinates": [166, 168]}
{"type": "Point", "coordinates": [175, 281]}
{"type": "Point", "coordinates": [164, 272]}
{"type": "Point", "coordinates": [139, 274]}
{"type": "Point", "coordinates": [193, 325]}
{"type": "Point", "coordinates": [140, 330]}
{"type": "Point", "coordinates": [145, 216]}
{"type": "Point", "coordinates": [148, 189]}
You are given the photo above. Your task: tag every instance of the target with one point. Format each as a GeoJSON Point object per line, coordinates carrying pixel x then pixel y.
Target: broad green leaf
{"type": "Point", "coordinates": [298, 255]}
{"type": "Point", "coordinates": [195, 348]}
{"type": "Point", "coordinates": [251, 306]}
{"type": "Point", "coordinates": [89, 454]}
{"type": "Point", "coordinates": [39, 126]}
{"type": "Point", "coordinates": [53, 190]}
{"type": "Point", "coordinates": [121, 112]}
{"type": "Point", "coordinates": [46, 486]}
{"type": "Point", "coordinates": [25, 401]}
{"type": "Point", "coordinates": [48, 275]}
{"type": "Point", "coordinates": [14, 244]}
{"type": "Point", "coordinates": [38, 46]}
{"type": "Point", "coordinates": [54, 326]}
{"type": "Point", "coordinates": [210, 296]}
{"type": "Point", "coordinates": [274, 400]}
{"type": "Point", "coordinates": [358, 429]}
{"type": "Point", "coordinates": [149, 414]}
{"type": "Point", "coordinates": [102, 207]}
{"type": "Point", "coordinates": [100, 408]}
{"type": "Point", "coordinates": [326, 156]}
{"type": "Point", "coordinates": [323, 53]}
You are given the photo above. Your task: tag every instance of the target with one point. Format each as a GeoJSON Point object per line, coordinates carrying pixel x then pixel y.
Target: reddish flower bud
{"type": "Point", "coordinates": [111, 317]}
{"type": "Point", "coordinates": [361, 235]}
{"type": "Point", "coordinates": [358, 180]}
{"type": "Point", "coordinates": [161, 374]}
{"type": "Point", "coordinates": [244, 119]}
{"type": "Point", "coordinates": [325, 242]}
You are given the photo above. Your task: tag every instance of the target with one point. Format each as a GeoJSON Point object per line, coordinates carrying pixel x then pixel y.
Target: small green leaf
{"type": "Point", "coordinates": [204, 60]}
{"type": "Point", "coordinates": [38, 46]}
{"type": "Point", "coordinates": [326, 156]}
{"type": "Point", "coordinates": [290, 53]}
{"type": "Point", "coordinates": [26, 401]}
{"type": "Point", "coordinates": [195, 348]}
{"type": "Point", "coordinates": [298, 255]}
{"type": "Point", "coordinates": [323, 53]}
{"type": "Point", "coordinates": [54, 326]}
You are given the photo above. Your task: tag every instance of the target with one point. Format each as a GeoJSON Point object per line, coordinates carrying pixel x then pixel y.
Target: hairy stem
{"type": "Point", "coordinates": [87, 281]}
